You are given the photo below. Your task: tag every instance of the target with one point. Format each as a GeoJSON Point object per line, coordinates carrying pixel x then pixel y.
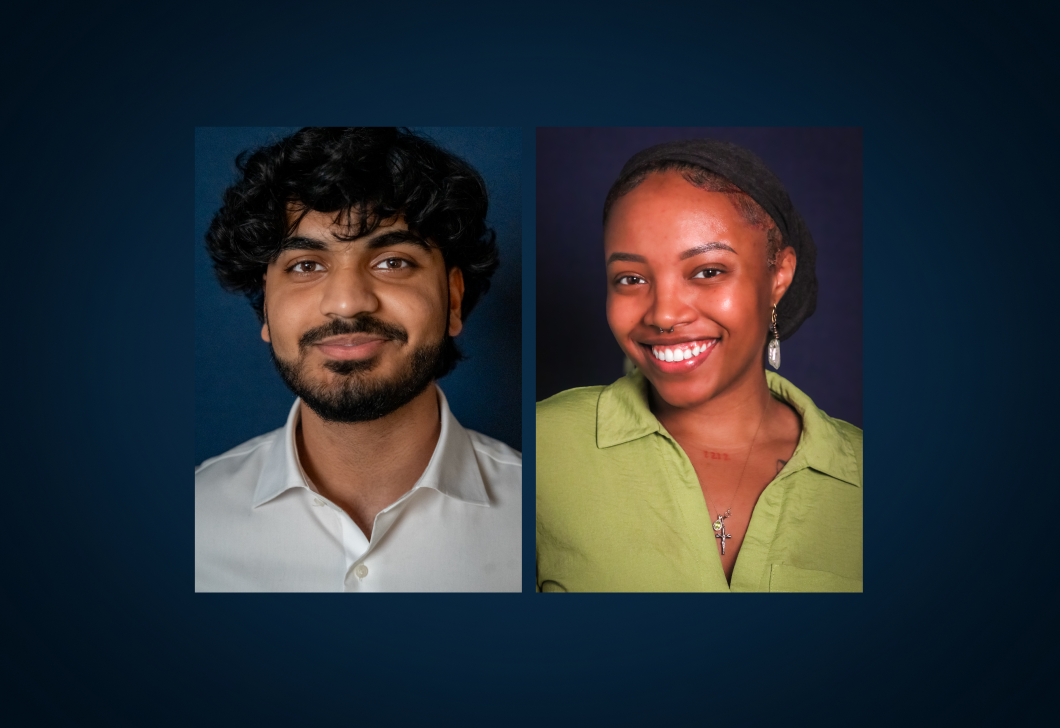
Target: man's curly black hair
{"type": "Point", "coordinates": [366, 177]}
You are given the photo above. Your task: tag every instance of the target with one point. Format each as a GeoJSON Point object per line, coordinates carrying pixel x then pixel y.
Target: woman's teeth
{"type": "Point", "coordinates": [681, 352]}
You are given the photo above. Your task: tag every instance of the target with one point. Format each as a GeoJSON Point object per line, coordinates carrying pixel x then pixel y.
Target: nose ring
{"type": "Point", "coordinates": [664, 331]}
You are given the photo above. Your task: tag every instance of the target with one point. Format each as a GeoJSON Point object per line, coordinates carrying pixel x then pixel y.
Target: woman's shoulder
{"type": "Point", "coordinates": [568, 407]}
{"type": "Point", "coordinates": [840, 446]}
{"type": "Point", "coordinates": [855, 437]}
{"type": "Point", "coordinates": [566, 422]}
{"type": "Point", "coordinates": [788, 392]}
{"type": "Point", "coordinates": [839, 438]}
{"type": "Point", "coordinates": [851, 433]}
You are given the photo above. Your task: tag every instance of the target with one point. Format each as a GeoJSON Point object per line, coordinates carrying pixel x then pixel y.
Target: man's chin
{"type": "Point", "coordinates": [344, 368]}
{"type": "Point", "coordinates": [360, 405]}
{"type": "Point", "coordinates": [355, 390]}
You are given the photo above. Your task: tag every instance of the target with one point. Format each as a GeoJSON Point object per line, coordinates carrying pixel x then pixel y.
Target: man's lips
{"type": "Point", "coordinates": [351, 346]}
{"type": "Point", "coordinates": [678, 356]}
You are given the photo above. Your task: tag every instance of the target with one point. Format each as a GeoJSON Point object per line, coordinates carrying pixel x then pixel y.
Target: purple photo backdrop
{"type": "Point", "coordinates": [822, 170]}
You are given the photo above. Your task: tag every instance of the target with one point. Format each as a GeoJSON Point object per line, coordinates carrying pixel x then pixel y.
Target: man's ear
{"type": "Point", "coordinates": [456, 297]}
{"type": "Point", "coordinates": [265, 315]}
{"type": "Point", "coordinates": [783, 273]}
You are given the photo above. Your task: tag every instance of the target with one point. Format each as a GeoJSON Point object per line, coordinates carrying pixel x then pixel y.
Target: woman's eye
{"type": "Point", "coordinates": [630, 281]}
{"type": "Point", "coordinates": [394, 264]}
{"type": "Point", "coordinates": [306, 266]}
{"type": "Point", "coordinates": [707, 273]}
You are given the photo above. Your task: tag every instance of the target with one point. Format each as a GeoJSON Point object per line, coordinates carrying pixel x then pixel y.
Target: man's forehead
{"type": "Point", "coordinates": [341, 226]}
{"type": "Point", "coordinates": [326, 232]}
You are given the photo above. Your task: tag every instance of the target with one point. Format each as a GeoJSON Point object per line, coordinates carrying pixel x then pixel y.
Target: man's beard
{"type": "Point", "coordinates": [357, 397]}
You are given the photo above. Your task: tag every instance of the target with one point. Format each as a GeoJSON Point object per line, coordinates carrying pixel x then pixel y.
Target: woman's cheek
{"type": "Point", "coordinates": [615, 319]}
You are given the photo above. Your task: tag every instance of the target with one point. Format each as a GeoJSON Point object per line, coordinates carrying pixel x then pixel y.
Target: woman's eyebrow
{"type": "Point", "coordinates": [631, 257]}
{"type": "Point", "coordinates": [705, 248]}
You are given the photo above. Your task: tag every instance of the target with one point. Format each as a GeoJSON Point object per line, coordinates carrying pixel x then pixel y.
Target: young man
{"type": "Point", "coordinates": [362, 251]}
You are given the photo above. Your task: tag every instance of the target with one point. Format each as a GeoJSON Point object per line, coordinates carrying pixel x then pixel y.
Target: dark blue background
{"type": "Point", "coordinates": [958, 172]}
{"type": "Point", "coordinates": [822, 170]}
{"type": "Point", "coordinates": [239, 395]}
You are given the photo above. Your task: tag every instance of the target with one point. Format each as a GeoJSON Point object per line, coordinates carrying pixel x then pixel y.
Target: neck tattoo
{"type": "Point", "coordinates": [719, 524]}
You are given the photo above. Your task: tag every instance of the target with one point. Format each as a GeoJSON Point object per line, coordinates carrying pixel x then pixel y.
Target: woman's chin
{"type": "Point", "coordinates": [683, 395]}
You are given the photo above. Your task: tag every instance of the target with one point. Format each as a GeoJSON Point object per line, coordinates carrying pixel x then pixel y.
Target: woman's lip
{"type": "Point", "coordinates": [683, 366]}
{"type": "Point", "coordinates": [663, 341]}
{"type": "Point", "coordinates": [360, 350]}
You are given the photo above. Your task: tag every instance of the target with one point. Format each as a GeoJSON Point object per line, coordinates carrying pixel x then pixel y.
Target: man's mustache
{"type": "Point", "coordinates": [360, 324]}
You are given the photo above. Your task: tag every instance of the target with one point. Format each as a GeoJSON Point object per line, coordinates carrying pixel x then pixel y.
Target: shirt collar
{"type": "Point", "coordinates": [453, 469]}
{"type": "Point", "coordinates": [622, 415]}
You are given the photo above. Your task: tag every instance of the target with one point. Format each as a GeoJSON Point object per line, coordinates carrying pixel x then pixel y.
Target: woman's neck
{"type": "Point", "coordinates": [728, 420]}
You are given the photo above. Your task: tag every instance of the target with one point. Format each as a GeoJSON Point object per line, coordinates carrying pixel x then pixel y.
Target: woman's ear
{"type": "Point", "coordinates": [456, 298]}
{"type": "Point", "coordinates": [783, 272]}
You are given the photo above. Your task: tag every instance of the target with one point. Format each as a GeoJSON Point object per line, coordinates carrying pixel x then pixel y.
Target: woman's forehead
{"type": "Point", "coordinates": [667, 214]}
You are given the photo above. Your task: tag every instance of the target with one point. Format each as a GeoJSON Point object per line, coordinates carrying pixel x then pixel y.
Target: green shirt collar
{"type": "Point", "coordinates": [622, 415]}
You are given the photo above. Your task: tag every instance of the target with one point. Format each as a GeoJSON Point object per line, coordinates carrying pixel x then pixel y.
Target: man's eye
{"type": "Point", "coordinates": [394, 264]}
{"type": "Point", "coordinates": [707, 273]}
{"type": "Point", "coordinates": [630, 281]}
{"type": "Point", "coordinates": [306, 266]}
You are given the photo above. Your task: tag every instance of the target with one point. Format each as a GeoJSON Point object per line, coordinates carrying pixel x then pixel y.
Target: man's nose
{"type": "Point", "coordinates": [348, 291]}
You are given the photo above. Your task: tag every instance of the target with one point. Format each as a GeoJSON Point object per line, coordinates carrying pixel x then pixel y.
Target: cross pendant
{"type": "Point", "coordinates": [719, 530]}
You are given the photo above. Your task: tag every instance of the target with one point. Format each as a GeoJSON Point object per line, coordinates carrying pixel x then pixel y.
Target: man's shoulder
{"type": "Point", "coordinates": [495, 450]}
{"type": "Point", "coordinates": [501, 469]}
{"type": "Point", "coordinates": [228, 464]}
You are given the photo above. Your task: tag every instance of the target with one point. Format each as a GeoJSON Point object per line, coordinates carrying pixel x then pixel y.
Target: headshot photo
{"type": "Point", "coordinates": [699, 367]}
{"type": "Point", "coordinates": [358, 359]}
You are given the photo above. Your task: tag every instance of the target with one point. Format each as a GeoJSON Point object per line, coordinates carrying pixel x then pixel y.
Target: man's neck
{"type": "Point", "coordinates": [363, 467]}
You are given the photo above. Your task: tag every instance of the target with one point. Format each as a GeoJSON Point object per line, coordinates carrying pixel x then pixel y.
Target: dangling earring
{"type": "Point", "coordinates": [774, 343]}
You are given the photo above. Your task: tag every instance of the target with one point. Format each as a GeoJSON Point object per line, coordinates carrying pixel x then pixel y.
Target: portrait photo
{"type": "Point", "coordinates": [699, 359]}
{"type": "Point", "coordinates": [358, 359]}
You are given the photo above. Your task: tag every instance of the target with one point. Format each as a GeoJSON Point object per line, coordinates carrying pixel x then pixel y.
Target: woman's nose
{"type": "Point", "coordinates": [669, 308]}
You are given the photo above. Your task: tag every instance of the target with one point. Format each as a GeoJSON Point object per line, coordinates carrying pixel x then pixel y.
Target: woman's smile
{"type": "Point", "coordinates": [680, 357]}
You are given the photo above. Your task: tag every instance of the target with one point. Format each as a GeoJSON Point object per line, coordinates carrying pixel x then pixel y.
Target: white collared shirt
{"type": "Point", "coordinates": [260, 525]}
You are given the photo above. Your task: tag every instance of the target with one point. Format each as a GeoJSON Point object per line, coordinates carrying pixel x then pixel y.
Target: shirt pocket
{"type": "Point", "coordinates": [784, 578]}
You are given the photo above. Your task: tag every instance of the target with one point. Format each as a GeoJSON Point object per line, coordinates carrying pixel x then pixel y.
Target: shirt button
{"type": "Point", "coordinates": [317, 502]}
{"type": "Point", "coordinates": [361, 571]}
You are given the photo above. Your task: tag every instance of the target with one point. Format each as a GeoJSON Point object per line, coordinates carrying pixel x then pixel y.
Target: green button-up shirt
{"type": "Point", "coordinates": [620, 508]}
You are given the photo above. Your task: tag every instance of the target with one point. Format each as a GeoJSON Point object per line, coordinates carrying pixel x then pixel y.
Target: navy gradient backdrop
{"type": "Point", "coordinates": [822, 170]}
{"type": "Point", "coordinates": [239, 395]}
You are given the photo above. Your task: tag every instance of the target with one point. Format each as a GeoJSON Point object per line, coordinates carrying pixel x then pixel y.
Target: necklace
{"type": "Point", "coordinates": [719, 523]}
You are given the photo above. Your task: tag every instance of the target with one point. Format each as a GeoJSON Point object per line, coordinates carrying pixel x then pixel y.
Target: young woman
{"type": "Point", "coordinates": [699, 471]}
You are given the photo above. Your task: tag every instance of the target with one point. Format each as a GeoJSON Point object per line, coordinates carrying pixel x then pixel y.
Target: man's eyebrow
{"type": "Point", "coordinates": [396, 237]}
{"type": "Point", "coordinates": [631, 257]}
{"type": "Point", "coordinates": [705, 248]}
{"type": "Point", "coordinates": [299, 242]}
